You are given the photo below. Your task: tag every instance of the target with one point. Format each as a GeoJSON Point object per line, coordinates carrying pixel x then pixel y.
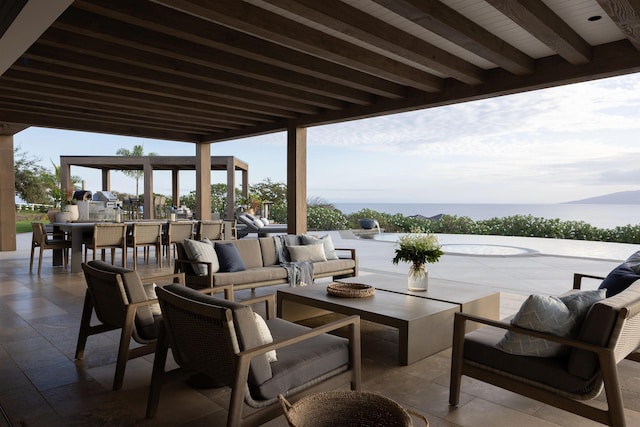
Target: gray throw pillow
{"type": "Point", "coordinates": [560, 316]}
{"type": "Point", "coordinates": [313, 253]}
{"type": "Point", "coordinates": [229, 257]}
{"type": "Point", "coordinates": [634, 262]}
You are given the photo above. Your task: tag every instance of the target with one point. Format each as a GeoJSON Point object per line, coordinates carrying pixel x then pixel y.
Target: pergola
{"type": "Point", "coordinates": [148, 164]}
{"type": "Point", "coordinates": [204, 71]}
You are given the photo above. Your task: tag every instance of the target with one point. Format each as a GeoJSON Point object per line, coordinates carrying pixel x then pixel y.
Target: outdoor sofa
{"type": "Point", "coordinates": [260, 264]}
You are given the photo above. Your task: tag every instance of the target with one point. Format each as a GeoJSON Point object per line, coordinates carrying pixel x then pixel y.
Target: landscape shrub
{"type": "Point", "coordinates": [325, 218]}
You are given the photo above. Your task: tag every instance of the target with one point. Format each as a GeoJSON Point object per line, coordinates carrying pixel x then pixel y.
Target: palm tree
{"type": "Point", "coordinates": [138, 151]}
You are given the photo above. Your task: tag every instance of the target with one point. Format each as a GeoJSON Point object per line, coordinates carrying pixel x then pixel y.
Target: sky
{"type": "Point", "coordinates": [547, 146]}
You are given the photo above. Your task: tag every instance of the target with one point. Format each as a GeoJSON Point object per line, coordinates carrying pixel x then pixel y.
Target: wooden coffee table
{"type": "Point", "coordinates": [472, 299]}
{"type": "Point", "coordinates": [424, 326]}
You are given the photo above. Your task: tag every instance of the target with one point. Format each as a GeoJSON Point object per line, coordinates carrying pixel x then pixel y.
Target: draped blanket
{"type": "Point", "coordinates": [299, 273]}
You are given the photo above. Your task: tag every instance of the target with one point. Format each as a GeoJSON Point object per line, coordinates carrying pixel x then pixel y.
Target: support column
{"type": "Point", "coordinates": [296, 179]}
{"type": "Point", "coordinates": [106, 180]}
{"type": "Point", "coordinates": [231, 189]}
{"type": "Point", "coordinates": [175, 187]}
{"type": "Point", "coordinates": [66, 186]}
{"type": "Point", "coordinates": [203, 180]}
{"type": "Point", "coordinates": [147, 185]}
{"type": "Point", "coordinates": [7, 195]}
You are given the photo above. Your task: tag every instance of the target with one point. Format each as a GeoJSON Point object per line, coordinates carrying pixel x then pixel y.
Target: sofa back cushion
{"type": "Point", "coordinates": [250, 252]}
{"type": "Point", "coordinates": [268, 248]}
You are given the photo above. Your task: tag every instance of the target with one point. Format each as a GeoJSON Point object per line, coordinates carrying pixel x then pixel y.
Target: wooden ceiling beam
{"type": "Point", "coordinates": [626, 15]}
{"type": "Point", "coordinates": [278, 29]}
{"type": "Point", "coordinates": [399, 45]}
{"type": "Point", "coordinates": [188, 53]}
{"type": "Point", "coordinates": [151, 66]}
{"type": "Point", "coordinates": [118, 74]}
{"type": "Point", "coordinates": [154, 17]}
{"type": "Point", "coordinates": [542, 23]}
{"type": "Point", "coordinates": [133, 89]}
{"type": "Point", "coordinates": [9, 129]}
{"type": "Point", "coordinates": [70, 123]}
{"type": "Point", "coordinates": [71, 96]}
{"type": "Point", "coordinates": [125, 110]}
{"type": "Point", "coordinates": [456, 28]}
{"type": "Point", "coordinates": [80, 113]}
{"type": "Point", "coordinates": [96, 91]}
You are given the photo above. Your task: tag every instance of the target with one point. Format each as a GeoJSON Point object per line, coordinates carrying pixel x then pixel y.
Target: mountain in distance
{"type": "Point", "coordinates": [621, 198]}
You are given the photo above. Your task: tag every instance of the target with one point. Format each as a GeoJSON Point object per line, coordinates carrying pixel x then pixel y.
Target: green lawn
{"type": "Point", "coordinates": [24, 219]}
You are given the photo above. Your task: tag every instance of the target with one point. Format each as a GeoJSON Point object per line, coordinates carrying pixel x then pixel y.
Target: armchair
{"type": "Point", "coordinates": [609, 333]}
{"type": "Point", "coordinates": [221, 340]}
{"type": "Point", "coordinates": [121, 300]}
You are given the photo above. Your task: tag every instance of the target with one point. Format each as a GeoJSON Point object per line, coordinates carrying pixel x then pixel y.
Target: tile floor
{"type": "Point", "coordinates": [42, 385]}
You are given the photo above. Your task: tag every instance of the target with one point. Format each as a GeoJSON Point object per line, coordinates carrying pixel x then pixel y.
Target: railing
{"type": "Point", "coordinates": [32, 206]}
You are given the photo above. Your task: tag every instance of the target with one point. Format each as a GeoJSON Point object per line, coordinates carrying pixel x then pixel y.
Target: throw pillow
{"type": "Point", "coordinates": [150, 290]}
{"type": "Point", "coordinates": [265, 221]}
{"type": "Point", "coordinates": [619, 279]}
{"type": "Point", "coordinates": [313, 253]}
{"type": "Point", "coordinates": [265, 337]}
{"type": "Point", "coordinates": [634, 262]}
{"type": "Point", "coordinates": [329, 249]}
{"type": "Point", "coordinates": [555, 315]}
{"type": "Point", "coordinates": [229, 257]}
{"type": "Point", "coordinates": [204, 252]}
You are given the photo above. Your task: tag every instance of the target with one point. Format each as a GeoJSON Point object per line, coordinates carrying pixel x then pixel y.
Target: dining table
{"type": "Point", "coordinates": [81, 230]}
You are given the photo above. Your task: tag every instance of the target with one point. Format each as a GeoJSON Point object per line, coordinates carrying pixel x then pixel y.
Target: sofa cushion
{"type": "Point", "coordinates": [329, 249]}
{"type": "Point", "coordinates": [268, 251]}
{"type": "Point", "coordinates": [250, 252]}
{"type": "Point", "coordinates": [229, 257]}
{"type": "Point", "coordinates": [480, 347]}
{"type": "Point", "coordinates": [619, 279]}
{"type": "Point", "coordinates": [245, 328]}
{"type": "Point", "coordinates": [275, 274]}
{"type": "Point", "coordinates": [556, 315]}
{"type": "Point", "coordinates": [327, 267]}
{"type": "Point", "coordinates": [202, 251]}
{"type": "Point", "coordinates": [301, 362]}
{"type": "Point", "coordinates": [313, 253]}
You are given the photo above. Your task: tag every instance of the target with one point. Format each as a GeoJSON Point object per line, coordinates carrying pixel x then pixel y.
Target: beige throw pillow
{"type": "Point", "coordinates": [313, 253]}
{"type": "Point", "coordinates": [265, 336]}
{"type": "Point", "coordinates": [204, 252]}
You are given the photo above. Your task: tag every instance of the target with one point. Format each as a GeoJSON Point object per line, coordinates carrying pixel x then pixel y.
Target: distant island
{"type": "Point", "coordinates": [621, 198]}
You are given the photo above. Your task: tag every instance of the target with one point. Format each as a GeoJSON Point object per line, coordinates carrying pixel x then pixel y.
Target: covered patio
{"type": "Point", "coordinates": [205, 72]}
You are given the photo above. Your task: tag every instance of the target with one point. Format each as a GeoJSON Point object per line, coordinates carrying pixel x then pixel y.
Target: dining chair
{"type": "Point", "coordinates": [211, 229]}
{"type": "Point", "coordinates": [177, 231]}
{"type": "Point", "coordinates": [145, 235]}
{"type": "Point", "coordinates": [42, 241]}
{"type": "Point", "coordinates": [108, 236]}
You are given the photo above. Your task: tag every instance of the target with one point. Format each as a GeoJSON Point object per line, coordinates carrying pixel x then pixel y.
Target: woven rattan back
{"type": "Point", "coordinates": [146, 233]}
{"type": "Point", "coordinates": [211, 230]}
{"type": "Point", "coordinates": [109, 235]}
{"type": "Point", "coordinates": [107, 295]}
{"type": "Point", "coordinates": [177, 232]}
{"type": "Point", "coordinates": [201, 336]}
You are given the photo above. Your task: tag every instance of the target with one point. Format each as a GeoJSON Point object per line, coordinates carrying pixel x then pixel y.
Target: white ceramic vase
{"type": "Point", "coordinates": [418, 279]}
{"type": "Point", "coordinates": [73, 211]}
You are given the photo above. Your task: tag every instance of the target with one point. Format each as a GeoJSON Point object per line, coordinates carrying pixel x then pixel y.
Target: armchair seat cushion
{"type": "Point", "coordinates": [300, 363]}
{"type": "Point", "coordinates": [480, 347]}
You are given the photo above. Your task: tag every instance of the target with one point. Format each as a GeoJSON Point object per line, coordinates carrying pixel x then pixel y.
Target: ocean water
{"type": "Point", "coordinates": [598, 215]}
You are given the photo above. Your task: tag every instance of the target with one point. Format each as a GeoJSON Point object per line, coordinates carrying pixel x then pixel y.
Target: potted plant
{"type": "Point", "coordinates": [418, 249]}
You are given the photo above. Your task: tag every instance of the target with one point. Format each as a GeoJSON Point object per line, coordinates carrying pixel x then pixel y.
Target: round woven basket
{"type": "Point", "coordinates": [346, 409]}
{"type": "Point", "coordinates": [350, 290]}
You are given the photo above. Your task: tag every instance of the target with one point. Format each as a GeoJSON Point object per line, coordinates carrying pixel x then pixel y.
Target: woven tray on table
{"type": "Point", "coordinates": [350, 290]}
{"type": "Point", "coordinates": [343, 408]}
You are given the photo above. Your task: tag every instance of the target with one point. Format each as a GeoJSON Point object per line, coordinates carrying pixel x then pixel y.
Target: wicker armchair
{"type": "Point", "coordinates": [108, 236]}
{"type": "Point", "coordinates": [609, 333]}
{"type": "Point", "coordinates": [41, 240]}
{"type": "Point", "coordinates": [145, 235]}
{"type": "Point", "coordinates": [220, 340]}
{"type": "Point", "coordinates": [121, 301]}
{"type": "Point", "coordinates": [212, 230]}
